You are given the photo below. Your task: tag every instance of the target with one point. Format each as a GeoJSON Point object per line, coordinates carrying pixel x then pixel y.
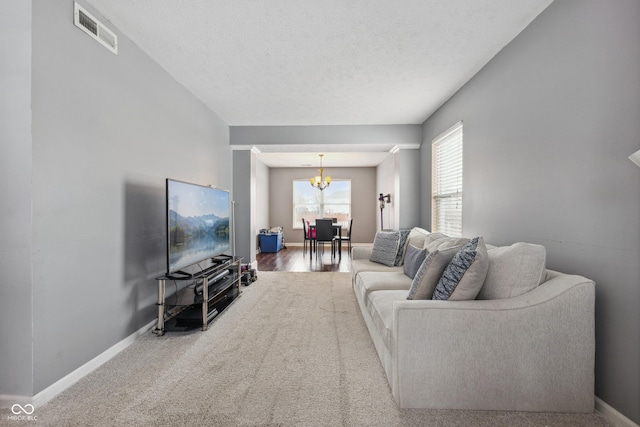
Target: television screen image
{"type": "Point", "coordinates": [197, 223]}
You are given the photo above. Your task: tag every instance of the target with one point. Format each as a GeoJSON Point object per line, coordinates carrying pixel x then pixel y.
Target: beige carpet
{"type": "Point", "coordinates": [292, 351]}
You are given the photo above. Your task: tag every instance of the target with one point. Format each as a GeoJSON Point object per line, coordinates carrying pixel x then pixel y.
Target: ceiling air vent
{"type": "Point", "coordinates": [90, 25]}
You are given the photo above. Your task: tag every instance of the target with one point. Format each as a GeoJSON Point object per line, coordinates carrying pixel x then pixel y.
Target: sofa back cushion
{"type": "Point", "coordinates": [415, 238]}
{"type": "Point", "coordinates": [513, 270]}
{"type": "Point", "coordinates": [465, 274]}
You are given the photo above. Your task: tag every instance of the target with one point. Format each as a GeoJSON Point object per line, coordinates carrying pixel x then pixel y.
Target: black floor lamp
{"type": "Point", "coordinates": [382, 199]}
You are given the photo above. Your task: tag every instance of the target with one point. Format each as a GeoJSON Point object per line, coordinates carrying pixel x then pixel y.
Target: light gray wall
{"type": "Point", "coordinates": [548, 126]}
{"type": "Point", "coordinates": [409, 188]}
{"type": "Point", "coordinates": [355, 134]}
{"type": "Point", "coordinates": [244, 190]}
{"type": "Point", "coordinates": [107, 130]}
{"type": "Point", "coordinates": [15, 193]}
{"type": "Point", "coordinates": [262, 197]}
{"type": "Point", "coordinates": [363, 200]}
{"type": "Point", "coordinates": [388, 182]}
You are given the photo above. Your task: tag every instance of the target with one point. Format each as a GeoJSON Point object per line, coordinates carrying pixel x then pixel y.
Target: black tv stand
{"type": "Point", "coordinates": [212, 280]}
{"type": "Point", "coordinates": [206, 295]}
{"type": "Point", "coordinates": [179, 275]}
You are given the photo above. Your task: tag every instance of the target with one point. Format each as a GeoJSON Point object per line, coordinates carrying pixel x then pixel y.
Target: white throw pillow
{"type": "Point", "coordinates": [429, 273]}
{"type": "Point", "coordinates": [513, 270]}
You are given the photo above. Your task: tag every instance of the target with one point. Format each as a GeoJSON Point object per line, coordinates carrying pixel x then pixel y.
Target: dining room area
{"type": "Point", "coordinates": [284, 198]}
{"type": "Point", "coordinates": [326, 247]}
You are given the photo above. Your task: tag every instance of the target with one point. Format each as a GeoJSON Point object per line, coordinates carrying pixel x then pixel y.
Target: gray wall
{"type": "Point", "coordinates": [398, 176]}
{"type": "Point", "coordinates": [388, 182]}
{"type": "Point", "coordinates": [244, 190]}
{"type": "Point", "coordinates": [548, 126]}
{"type": "Point", "coordinates": [363, 200]}
{"type": "Point", "coordinates": [107, 130]}
{"type": "Point", "coordinates": [15, 193]}
{"type": "Point", "coordinates": [409, 188]}
{"type": "Point", "coordinates": [262, 197]}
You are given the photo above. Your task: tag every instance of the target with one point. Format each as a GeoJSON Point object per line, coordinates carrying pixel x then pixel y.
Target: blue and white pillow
{"type": "Point", "coordinates": [385, 247]}
{"type": "Point", "coordinates": [465, 274]}
{"type": "Point", "coordinates": [402, 245]}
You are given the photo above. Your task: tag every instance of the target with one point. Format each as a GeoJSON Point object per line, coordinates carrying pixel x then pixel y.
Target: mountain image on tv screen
{"type": "Point", "coordinates": [197, 223]}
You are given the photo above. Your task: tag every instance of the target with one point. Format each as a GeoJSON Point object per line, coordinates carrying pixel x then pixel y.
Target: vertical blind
{"type": "Point", "coordinates": [446, 182]}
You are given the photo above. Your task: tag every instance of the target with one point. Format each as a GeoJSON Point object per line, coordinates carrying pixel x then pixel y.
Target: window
{"type": "Point", "coordinates": [446, 182]}
{"type": "Point", "coordinates": [310, 203]}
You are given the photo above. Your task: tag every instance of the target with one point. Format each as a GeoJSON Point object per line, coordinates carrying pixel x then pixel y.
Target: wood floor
{"type": "Point", "coordinates": [293, 259]}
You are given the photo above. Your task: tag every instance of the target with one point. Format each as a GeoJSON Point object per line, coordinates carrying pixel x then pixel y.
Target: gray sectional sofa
{"type": "Point", "coordinates": [524, 343]}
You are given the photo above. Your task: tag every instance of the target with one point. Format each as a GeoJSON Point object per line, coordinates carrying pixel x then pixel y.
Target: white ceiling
{"type": "Point", "coordinates": [321, 62]}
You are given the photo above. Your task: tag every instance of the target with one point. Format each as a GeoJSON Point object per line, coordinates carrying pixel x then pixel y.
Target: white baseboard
{"type": "Point", "coordinates": [615, 417]}
{"type": "Point", "coordinates": [6, 401]}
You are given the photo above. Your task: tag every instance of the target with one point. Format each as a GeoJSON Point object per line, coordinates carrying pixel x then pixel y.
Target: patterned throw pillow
{"type": "Point", "coordinates": [465, 274]}
{"type": "Point", "coordinates": [413, 260]}
{"type": "Point", "coordinates": [385, 247]}
{"type": "Point", "coordinates": [402, 245]}
{"type": "Point", "coordinates": [430, 271]}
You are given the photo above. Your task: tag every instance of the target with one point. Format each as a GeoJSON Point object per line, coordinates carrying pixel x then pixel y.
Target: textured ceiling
{"type": "Point", "coordinates": [330, 62]}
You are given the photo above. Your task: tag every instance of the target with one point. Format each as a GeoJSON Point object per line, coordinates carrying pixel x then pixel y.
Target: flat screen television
{"type": "Point", "coordinates": [197, 224]}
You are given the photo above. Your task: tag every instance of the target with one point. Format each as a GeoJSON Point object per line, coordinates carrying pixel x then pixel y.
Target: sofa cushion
{"type": "Point", "coordinates": [369, 281]}
{"type": "Point", "coordinates": [360, 265]}
{"type": "Point", "coordinates": [513, 270]}
{"type": "Point", "coordinates": [465, 274]}
{"type": "Point", "coordinates": [385, 247]}
{"type": "Point", "coordinates": [440, 241]}
{"type": "Point", "coordinates": [413, 259]}
{"type": "Point", "coordinates": [433, 240]}
{"type": "Point", "coordinates": [430, 271]}
{"type": "Point", "coordinates": [416, 238]}
{"type": "Point", "coordinates": [380, 307]}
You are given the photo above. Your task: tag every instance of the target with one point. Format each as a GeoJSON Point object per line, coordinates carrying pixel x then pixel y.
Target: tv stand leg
{"type": "Point", "coordinates": [160, 327]}
{"type": "Point", "coordinates": [205, 302]}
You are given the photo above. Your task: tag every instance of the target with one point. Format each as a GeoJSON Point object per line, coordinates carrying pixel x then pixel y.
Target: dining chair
{"type": "Point", "coordinates": [325, 233]}
{"type": "Point", "coordinates": [335, 230]}
{"type": "Point", "coordinates": [309, 236]}
{"type": "Point", "coordinates": [348, 236]}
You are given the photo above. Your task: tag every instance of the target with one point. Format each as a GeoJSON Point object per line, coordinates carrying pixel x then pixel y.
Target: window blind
{"type": "Point", "coordinates": [446, 182]}
{"type": "Point", "coordinates": [310, 203]}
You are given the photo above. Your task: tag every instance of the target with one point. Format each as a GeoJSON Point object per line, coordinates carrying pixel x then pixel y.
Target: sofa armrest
{"type": "Point", "coordinates": [360, 252]}
{"type": "Point", "coordinates": [534, 352]}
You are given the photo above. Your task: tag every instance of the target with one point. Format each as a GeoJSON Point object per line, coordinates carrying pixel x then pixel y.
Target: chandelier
{"type": "Point", "coordinates": [319, 181]}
